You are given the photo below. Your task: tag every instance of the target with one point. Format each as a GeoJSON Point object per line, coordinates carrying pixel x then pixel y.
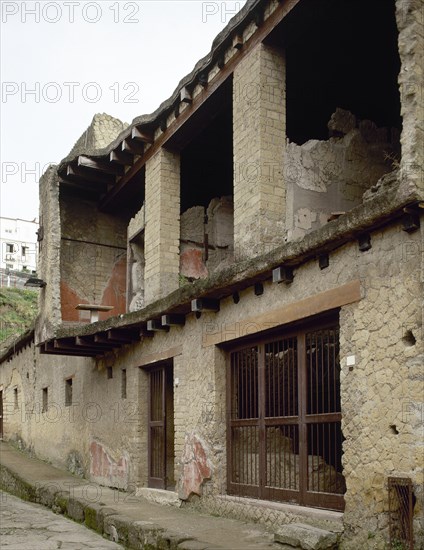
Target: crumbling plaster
{"type": "Point", "coordinates": [383, 389]}
{"type": "Point", "coordinates": [410, 23]}
{"type": "Point", "coordinates": [49, 317]}
{"type": "Point", "coordinates": [382, 385]}
{"type": "Point", "coordinates": [330, 177]}
{"type": "Point", "coordinates": [216, 224]}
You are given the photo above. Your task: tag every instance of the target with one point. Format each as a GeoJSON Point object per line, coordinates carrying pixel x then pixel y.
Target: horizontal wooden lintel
{"type": "Point", "coordinates": [319, 303]}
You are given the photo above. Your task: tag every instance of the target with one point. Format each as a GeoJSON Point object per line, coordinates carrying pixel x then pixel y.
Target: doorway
{"type": "Point", "coordinates": [284, 432]}
{"type": "Point", "coordinates": [161, 426]}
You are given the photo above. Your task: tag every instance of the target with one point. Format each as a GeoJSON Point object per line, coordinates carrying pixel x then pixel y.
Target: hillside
{"type": "Point", "coordinates": [18, 309]}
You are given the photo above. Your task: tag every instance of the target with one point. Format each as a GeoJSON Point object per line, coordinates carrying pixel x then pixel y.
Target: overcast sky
{"type": "Point", "coordinates": [64, 61]}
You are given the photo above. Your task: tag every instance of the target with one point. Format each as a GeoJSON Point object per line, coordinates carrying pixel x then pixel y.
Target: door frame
{"type": "Point", "coordinates": [164, 423]}
{"type": "Point", "coordinates": [303, 496]}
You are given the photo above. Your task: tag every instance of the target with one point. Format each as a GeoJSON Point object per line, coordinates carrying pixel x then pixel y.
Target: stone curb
{"type": "Point", "coordinates": [108, 522]}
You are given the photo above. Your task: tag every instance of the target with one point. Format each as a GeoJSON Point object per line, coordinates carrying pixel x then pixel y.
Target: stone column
{"type": "Point", "coordinates": [49, 259]}
{"type": "Point", "coordinates": [162, 232]}
{"type": "Point", "coordinates": [410, 22]}
{"type": "Point", "coordinates": [259, 138]}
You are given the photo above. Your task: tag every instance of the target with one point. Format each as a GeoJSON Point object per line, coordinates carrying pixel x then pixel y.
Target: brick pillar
{"type": "Point", "coordinates": [162, 232]}
{"type": "Point", "coordinates": [259, 140]}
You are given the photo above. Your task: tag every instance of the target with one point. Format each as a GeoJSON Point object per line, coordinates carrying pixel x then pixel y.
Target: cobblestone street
{"type": "Point", "coordinates": [27, 526]}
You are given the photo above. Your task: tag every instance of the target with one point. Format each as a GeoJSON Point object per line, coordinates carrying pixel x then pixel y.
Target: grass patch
{"type": "Point", "coordinates": [18, 309]}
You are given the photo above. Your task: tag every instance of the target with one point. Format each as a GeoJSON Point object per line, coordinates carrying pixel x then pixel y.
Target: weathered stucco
{"type": "Point", "coordinates": [326, 178]}
{"type": "Point", "coordinates": [49, 255]}
{"type": "Point", "coordinates": [410, 22]}
{"type": "Point", "coordinates": [278, 216]}
{"type": "Point", "coordinates": [93, 259]}
{"type": "Point", "coordinates": [207, 238]}
{"type": "Point", "coordinates": [384, 385]}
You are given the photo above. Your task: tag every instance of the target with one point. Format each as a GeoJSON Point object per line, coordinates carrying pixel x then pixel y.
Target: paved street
{"type": "Point", "coordinates": [27, 526]}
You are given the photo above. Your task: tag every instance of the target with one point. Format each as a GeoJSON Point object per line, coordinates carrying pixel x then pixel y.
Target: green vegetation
{"type": "Point", "coordinates": [18, 309]}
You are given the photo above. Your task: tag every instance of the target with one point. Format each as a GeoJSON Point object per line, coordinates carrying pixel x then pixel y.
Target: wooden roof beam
{"type": "Point", "coordinates": [102, 338]}
{"type": "Point", "coordinates": [76, 172]}
{"type": "Point", "coordinates": [209, 88]}
{"type": "Point", "coordinates": [101, 166]}
{"type": "Point", "coordinates": [82, 185]}
{"type": "Point", "coordinates": [185, 95]}
{"type": "Point", "coordinates": [123, 335]}
{"type": "Point", "coordinates": [141, 135]}
{"type": "Point", "coordinates": [70, 344]}
{"type": "Point", "coordinates": [132, 146]}
{"type": "Point", "coordinates": [173, 320]}
{"type": "Point", "coordinates": [155, 325]}
{"type": "Point", "coordinates": [238, 41]}
{"type": "Point", "coordinates": [88, 342]}
{"type": "Point", "coordinates": [144, 333]}
{"type": "Point", "coordinates": [120, 157]}
{"type": "Point", "coordinates": [50, 348]}
{"type": "Point", "coordinates": [204, 304]}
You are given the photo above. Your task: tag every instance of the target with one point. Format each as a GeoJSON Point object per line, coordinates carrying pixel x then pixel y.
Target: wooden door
{"type": "Point", "coordinates": [284, 431]}
{"type": "Point", "coordinates": [161, 427]}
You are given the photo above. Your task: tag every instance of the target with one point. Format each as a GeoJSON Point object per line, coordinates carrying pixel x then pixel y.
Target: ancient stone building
{"type": "Point", "coordinates": [232, 301]}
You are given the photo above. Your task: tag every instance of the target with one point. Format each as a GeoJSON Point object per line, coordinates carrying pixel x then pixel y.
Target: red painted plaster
{"type": "Point", "coordinates": [104, 466]}
{"type": "Point", "coordinates": [191, 263]}
{"type": "Point", "coordinates": [196, 468]}
{"type": "Point", "coordinates": [113, 295]}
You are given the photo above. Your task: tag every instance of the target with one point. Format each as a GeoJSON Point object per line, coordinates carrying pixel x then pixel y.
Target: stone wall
{"type": "Point", "coordinates": [212, 227]}
{"type": "Point", "coordinates": [93, 260]}
{"type": "Point", "coordinates": [381, 387]}
{"type": "Point", "coordinates": [330, 177]}
{"type": "Point", "coordinates": [410, 22]}
{"type": "Point", "coordinates": [103, 130]}
{"type": "Point", "coordinates": [94, 435]}
{"type": "Point", "coordinates": [382, 393]}
{"type": "Point", "coordinates": [49, 257]}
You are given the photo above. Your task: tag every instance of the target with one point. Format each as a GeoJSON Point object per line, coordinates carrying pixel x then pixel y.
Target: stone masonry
{"type": "Point", "coordinates": [259, 137]}
{"type": "Point", "coordinates": [363, 271]}
{"type": "Point", "coordinates": [410, 22]}
{"type": "Point", "coordinates": [217, 231]}
{"type": "Point", "coordinates": [330, 177]}
{"type": "Point", "coordinates": [93, 260]}
{"type": "Point", "coordinates": [49, 255]}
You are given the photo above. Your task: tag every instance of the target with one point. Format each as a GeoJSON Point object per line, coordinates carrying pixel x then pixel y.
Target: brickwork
{"type": "Point", "coordinates": [103, 434]}
{"type": "Point", "coordinates": [162, 233]}
{"type": "Point", "coordinates": [259, 137]}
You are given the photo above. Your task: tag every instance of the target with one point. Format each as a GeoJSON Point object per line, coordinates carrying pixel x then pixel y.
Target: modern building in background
{"type": "Point", "coordinates": [18, 239]}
